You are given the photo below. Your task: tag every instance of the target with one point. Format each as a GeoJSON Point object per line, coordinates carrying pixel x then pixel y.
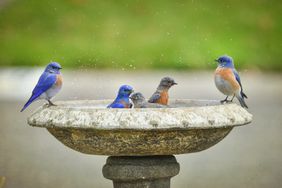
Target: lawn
{"type": "Point", "coordinates": [136, 34]}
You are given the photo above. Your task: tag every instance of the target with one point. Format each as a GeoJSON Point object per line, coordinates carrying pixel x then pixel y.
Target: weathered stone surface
{"type": "Point", "coordinates": [187, 126]}
{"type": "Point", "coordinates": [187, 114]}
{"type": "Point", "coordinates": [141, 172]}
{"type": "Point", "coordinates": [139, 142]}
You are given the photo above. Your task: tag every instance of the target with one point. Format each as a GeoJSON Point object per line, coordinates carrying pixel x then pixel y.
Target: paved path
{"type": "Point", "coordinates": [251, 156]}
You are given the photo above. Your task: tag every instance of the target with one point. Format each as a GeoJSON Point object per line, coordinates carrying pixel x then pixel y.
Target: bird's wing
{"type": "Point", "coordinates": [239, 81]}
{"type": "Point", "coordinates": [44, 83]}
{"type": "Point", "coordinates": [120, 103]}
{"type": "Point", "coordinates": [116, 105]}
{"type": "Point", "coordinates": [155, 97]}
{"type": "Point", "coordinates": [237, 77]}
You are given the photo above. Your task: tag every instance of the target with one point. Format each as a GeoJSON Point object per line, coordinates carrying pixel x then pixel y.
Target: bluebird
{"type": "Point", "coordinates": [139, 101]}
{"type": "Point", "coordinates": [48, 85]}
{"type": "Point", "coordinates": [227, 80]}
{"type": "Point", "coordinates": [161, 95]}
{"type": "Point", "coordinates": [122, 99]}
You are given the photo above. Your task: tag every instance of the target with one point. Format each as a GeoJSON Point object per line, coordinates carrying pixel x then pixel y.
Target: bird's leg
{"type": "Point", "coordinates": [225, 100]}
{"type": "Point", "coordinates": [50, 103]}
{"type": "Point", "coordinates": [232, 98]}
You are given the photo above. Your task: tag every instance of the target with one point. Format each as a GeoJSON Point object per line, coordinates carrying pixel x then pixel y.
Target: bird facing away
{"type": "Point", "coordinates": [48, 85]}
{"type": "Point", "coordinates": [161, 95]}
{"type": "Point", "coordinates": [227, 80]}
{"type": "Point", "coordinates": [122, 99]}
{"type": "Point", "coordinates": [139, 101]}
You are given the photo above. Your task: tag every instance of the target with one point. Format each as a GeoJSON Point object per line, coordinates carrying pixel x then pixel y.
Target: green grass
{"type": "Point", "coordinates": [136, 34]}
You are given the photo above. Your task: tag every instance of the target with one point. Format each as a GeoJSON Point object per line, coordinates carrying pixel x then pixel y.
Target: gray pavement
{"type": "Point", "coordinates": [250, 156]}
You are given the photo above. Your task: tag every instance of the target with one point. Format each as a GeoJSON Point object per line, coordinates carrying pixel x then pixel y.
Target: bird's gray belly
{"type": "Point", "coordinates": [223, 85]}
{"type": "Point", "coordinates": [51, 92]}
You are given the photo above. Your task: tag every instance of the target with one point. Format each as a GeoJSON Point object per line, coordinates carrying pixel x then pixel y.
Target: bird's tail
{"type": "Point", "coordinates": [30, 100]}
{"type": "Point", "coordinates": [241, 97]}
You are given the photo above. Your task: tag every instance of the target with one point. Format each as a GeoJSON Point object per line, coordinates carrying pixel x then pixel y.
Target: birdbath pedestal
{"type": "Point", "coordinates": [140, 142]}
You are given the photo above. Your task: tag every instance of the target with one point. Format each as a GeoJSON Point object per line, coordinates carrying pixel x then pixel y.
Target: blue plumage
{"type": "Point", "coordinates": [45, 82]}
{"type": "Point", "coordinates": [122, 99]}
{"type": "Point", "coordinates": [225, 61]}
{"type": "Point", "coordinates": [239, 81]}
{"type": "Point", "coordinates": [118, 104]}
{"type": "Point", "coordinates": [46, 86]}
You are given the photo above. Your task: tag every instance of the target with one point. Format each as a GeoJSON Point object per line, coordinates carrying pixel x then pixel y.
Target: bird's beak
{"type": "Point", "coordinates": [131, 91]}
{"type": "Point", "coordinates": [216, 60]}
{"type": "Point", "coordinates": [131, 97]}
{"type": "Point", "coordinates": [174, 83]}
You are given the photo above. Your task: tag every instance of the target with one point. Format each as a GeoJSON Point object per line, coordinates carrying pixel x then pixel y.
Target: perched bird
{"type": "Point", "coordinates": [161, 95]}
{"type": "Point", "coordinates": [139, 101]}
{"type": "Point", "coordinates": [122, 99]}
{"type": "Point", "coordinates": [227, 80]}
{"type": "Point", "coordinates": [48, 85]}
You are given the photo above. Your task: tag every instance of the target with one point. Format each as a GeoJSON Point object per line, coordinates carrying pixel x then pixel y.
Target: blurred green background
{"type": "Point", "coordinates": [135, 34]}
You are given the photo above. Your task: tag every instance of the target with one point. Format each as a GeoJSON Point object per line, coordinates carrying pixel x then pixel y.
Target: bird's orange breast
{"type": "Point", "coordinates": [126, 105]}
{"type": "Point", "coordinates": [164, 98]}
{"type": "Point", "coordinates": [59, 81]}
{"type": "Point", "coordinates": [228, 75]}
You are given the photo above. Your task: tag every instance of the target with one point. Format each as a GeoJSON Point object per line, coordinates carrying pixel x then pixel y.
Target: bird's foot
{"type": "Point", "coordinates": [229, 101]}
{"type": "Point", "coordinates": [50, 103]}
{"type": "Point", "coordinates": [224, 101]}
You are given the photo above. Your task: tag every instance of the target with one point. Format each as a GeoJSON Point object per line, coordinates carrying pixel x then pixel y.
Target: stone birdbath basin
{"type": "Point", "coordinates": [140, 142]}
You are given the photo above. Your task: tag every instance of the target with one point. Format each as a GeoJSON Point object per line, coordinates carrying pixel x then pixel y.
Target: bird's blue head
{"type": "Point", "coordinates": [225, 61]}
{"type": "Point", "coordinates": [125, 91]}
{"type": "Point", "coordinates": [53, 67]}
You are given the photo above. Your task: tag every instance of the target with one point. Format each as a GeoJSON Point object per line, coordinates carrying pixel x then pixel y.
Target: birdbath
{"type": "Point", "coordinates": [140, 142]}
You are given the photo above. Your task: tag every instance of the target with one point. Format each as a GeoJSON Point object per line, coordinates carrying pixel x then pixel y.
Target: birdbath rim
{"type": "Point", "coordinates": [181, 114]}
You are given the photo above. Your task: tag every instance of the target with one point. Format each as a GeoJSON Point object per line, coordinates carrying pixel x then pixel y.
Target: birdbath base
{"type": "Point", "coordinates": [141, 171]}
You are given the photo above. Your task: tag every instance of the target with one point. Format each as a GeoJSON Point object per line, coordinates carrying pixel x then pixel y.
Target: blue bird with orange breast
{"type": "Point", "coordinates": [161, 95]}
{"type": "Point", "coordinates": [122, 99]}
{"type": "Point", "coordinates": [227, 80]}
{"type": "Point", "coordinates": [48, 85]}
